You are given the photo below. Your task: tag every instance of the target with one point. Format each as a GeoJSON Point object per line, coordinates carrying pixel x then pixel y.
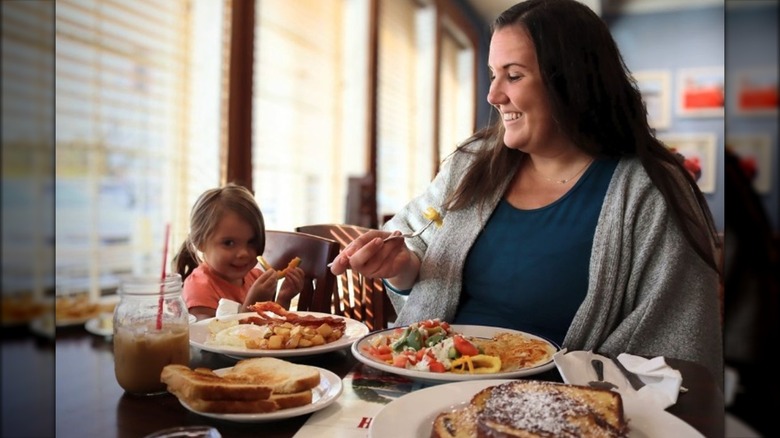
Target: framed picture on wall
{"type": "Point", "coordinates": [655, 86]}
{"type": "Point", "coordinates": [756, 91]}
{"type": "Point", "coordinates": [698, 150]}
{"type": "Point", "coordinates": [755, 158]}
{"type": "Point", "coordinates": [700, 92]}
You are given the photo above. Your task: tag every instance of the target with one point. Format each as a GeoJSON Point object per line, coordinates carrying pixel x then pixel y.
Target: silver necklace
{"type": "Point", "coordinates": [565, 180]}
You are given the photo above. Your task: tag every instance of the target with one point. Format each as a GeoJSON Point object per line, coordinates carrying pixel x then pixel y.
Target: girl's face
{"type": "Point", "coordinates": [231, 250]}
{"type": "Point", "coordinates": [517, 91]}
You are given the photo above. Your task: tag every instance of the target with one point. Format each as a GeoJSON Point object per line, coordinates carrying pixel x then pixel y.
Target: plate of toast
{"type": "Point", "coordinates": [243, 335]}
{"type": "Point", "coordinates": [434, 351]}
{"type": "Point", "coordinates": [254, 390]}
{"type": "Point", "coordinates": [514, 407]}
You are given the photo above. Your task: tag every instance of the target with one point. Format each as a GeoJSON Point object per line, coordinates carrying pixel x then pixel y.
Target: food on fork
{"type": "Point", "coordinates": [432, 214]}
{"type": "Point", "coordinates": [257, 385]}
{"type": "Point", "coordinates": [530, 408]}
{"type": "Point", "coordinates": [281, 329]}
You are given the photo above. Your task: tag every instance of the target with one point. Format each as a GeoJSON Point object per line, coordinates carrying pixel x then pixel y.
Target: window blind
{"type": "Point", "coordinates": [27, 151]}
{"type": "Point", "coordinates": [306, 134]}
{"type": "Point", "coordinates": [405, 102]}
{"type": "Point", "coordinates": [137, 132]}
{"type": "Point", "coordinates": [456, 82]}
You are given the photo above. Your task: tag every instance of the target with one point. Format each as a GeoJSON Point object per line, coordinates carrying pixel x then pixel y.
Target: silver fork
{"type": "Point", "coordinates": [409, 235]}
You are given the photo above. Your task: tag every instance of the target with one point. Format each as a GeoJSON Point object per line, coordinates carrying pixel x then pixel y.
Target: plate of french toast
{"type": "Point", "coordinates": [506, 407]}
{"type": "Point", "coordinates": [253, 390]}
{"type": "Point", "coordinates": [271, 331]}
{"type": "Point", "coordinates": [434, 350]}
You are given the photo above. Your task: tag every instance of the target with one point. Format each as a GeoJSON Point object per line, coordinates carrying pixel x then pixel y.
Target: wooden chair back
{"type": "Point", "coordinates": [355, 296]}
{"type": "Point", "coordinates": [315, 253]}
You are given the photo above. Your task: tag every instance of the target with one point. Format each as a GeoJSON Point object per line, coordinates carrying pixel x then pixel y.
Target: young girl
{"type": "Point", "coordinates": [227, 228]}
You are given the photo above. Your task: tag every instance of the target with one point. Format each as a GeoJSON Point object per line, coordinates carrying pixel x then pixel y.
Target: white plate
{"type": "Point", "coordinates": [478, 331]}
{"type": "Point", "coordinates": [95, 325]}
{"type": "Point", "coordinates": [326, 393]}
{"type": "Point", "coordinates": [199, 333]}
{"type": "Point", "coordinates": [419, 408]}
{"type": "Point", "coordinates": [44, 326]}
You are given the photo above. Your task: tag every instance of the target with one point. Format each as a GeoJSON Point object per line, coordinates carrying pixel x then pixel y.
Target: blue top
{"type": "Point", "coordinates": [528, 269]}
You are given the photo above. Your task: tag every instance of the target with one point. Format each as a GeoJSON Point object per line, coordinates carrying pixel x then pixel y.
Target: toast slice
{"type": "Point", "coordinates": [272, 404]}
{"type": "Point", "coordinates": [283, 377]}
{"type": "Point", "coordinates": [204, 384]}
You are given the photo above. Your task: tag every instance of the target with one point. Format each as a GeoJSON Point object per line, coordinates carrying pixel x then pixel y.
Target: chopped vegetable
{"type": "Point", "coordinates": [432, 215]}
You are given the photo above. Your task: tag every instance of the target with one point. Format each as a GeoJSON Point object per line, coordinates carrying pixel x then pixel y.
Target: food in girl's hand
{"type": "Point", "coordinates": [433, 346]}
{"type": "Point", "coordinates": [264, 263]}
{"type": "Point", "coordinates": [294, 263]}
{"type": "Point", "coordinates": [432, 215]}
{"type": "Point", "coordinates": [278, 330]}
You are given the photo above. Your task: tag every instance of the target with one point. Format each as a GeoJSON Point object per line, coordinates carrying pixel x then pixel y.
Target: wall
{"type": "Point", "coordinates": [672, 41]}
{"type": "Point", "coordinates": [752, 42]}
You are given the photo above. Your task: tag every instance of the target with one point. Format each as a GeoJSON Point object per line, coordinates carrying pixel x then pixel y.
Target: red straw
{"type": "Point", "coordinates": [162, 277]}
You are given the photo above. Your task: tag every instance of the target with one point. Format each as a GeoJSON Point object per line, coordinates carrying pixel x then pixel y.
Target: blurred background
{"type": "Point", "coordinates": [118, 114]}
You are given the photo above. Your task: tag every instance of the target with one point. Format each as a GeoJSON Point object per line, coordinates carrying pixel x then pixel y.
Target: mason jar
{"type": "Point", "coordinates": [151, 330]}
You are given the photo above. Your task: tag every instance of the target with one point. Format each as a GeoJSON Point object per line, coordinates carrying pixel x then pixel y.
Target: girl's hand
{"type": "Point", "coordinates": [291, 286]}
{"type": "Point", "coordinates": [263, 289]}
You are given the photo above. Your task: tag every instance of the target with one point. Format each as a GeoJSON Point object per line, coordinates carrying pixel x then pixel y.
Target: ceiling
{"type": "Point", "coordinates": [490, 9]}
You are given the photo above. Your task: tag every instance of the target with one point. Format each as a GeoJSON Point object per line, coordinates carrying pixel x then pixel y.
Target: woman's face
{"type": "Point", "coordinates": [517, 91]}
{"type": "Point", "coordinates": [231, 250]}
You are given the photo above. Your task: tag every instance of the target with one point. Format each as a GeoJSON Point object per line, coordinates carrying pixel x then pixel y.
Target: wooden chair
{"type": "Point", "coordinates": [355, 296]}
{"type": "Point", "coordinates": [315, 253]}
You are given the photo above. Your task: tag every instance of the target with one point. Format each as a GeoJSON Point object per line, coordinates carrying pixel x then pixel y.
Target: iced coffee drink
{"type": "Point", "coordinates": [151, 330]}
{"type": "Point", "coordinates": [139, 356]}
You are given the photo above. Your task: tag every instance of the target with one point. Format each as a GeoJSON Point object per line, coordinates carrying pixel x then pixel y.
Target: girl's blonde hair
{"type": "Point", "coordinates": [206, 214]}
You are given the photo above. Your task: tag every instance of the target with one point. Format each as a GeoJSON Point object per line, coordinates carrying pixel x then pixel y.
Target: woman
{"type": "Point", "coordinates": [566, 218]}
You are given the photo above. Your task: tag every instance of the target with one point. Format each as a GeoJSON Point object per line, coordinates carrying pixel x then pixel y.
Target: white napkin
{"type": "Point", "coordinates": [662, 382]}
{"type": "Point", "coordinates": [227, 307]}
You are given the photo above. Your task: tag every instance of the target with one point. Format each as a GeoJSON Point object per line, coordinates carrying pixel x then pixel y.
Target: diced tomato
{"type": "Point", "coordinates": [429, 323]}
{"type": "Point", "coordinates": [400, 361]}
{"type": "Point", "coordinates": [464, 347]}
{"type": "Point", "coordinates": [419, 354]}
{"type": "Point", "coordinates": [436, 367]}
{"type": "Point", "coordinates": [382, 353]}
{"type": "Point", "coordinates": [446, 326]}
{"type": "Point", "coordinates": [384, 349]}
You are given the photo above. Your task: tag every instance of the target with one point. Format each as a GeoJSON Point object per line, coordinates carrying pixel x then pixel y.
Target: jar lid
{"type": "Point", "coordinates": [149, 285]}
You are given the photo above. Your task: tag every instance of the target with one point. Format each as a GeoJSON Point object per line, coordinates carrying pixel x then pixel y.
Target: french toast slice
{"type": "Point", "coordinates": [528, 408]}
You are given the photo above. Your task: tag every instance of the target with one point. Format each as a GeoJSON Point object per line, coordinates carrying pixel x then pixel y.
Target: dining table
{"type": "Point", "coordinates": [90, 402]}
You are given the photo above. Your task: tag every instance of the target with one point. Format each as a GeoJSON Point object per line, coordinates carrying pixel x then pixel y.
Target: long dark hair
{"type": "Point", "coordinates": [595, 103]}
{"type": "Point", "coordinates": [205, 215]}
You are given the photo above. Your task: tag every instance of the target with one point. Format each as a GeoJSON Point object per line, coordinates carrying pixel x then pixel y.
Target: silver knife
{"type": "Point", "coordinates": [633, 379]}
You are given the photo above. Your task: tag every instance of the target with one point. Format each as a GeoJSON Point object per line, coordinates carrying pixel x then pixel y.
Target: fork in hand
{"type": "Point", "coordinates": [409, 235]}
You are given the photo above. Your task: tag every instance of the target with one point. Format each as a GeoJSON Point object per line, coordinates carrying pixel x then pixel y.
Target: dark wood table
{"type": "Point", "coordinates": [89, 402]}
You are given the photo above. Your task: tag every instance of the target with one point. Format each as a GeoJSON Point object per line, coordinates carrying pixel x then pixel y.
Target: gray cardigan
{"type": "Point", "coordinates": [648, 292]}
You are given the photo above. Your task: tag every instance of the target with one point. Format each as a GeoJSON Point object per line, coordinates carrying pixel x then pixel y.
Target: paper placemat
{"type": "Point", "coordinates": [366, 392]}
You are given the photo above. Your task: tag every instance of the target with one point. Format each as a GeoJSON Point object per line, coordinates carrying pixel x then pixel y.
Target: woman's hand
{"type": "Point", "coordinates": [292, 285]}
{"type": "Point", "coordinates": [372, 257]}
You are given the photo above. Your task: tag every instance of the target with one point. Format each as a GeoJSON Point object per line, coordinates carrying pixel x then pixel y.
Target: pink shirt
{"type": "Point", "coordinates": [203, 287]}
